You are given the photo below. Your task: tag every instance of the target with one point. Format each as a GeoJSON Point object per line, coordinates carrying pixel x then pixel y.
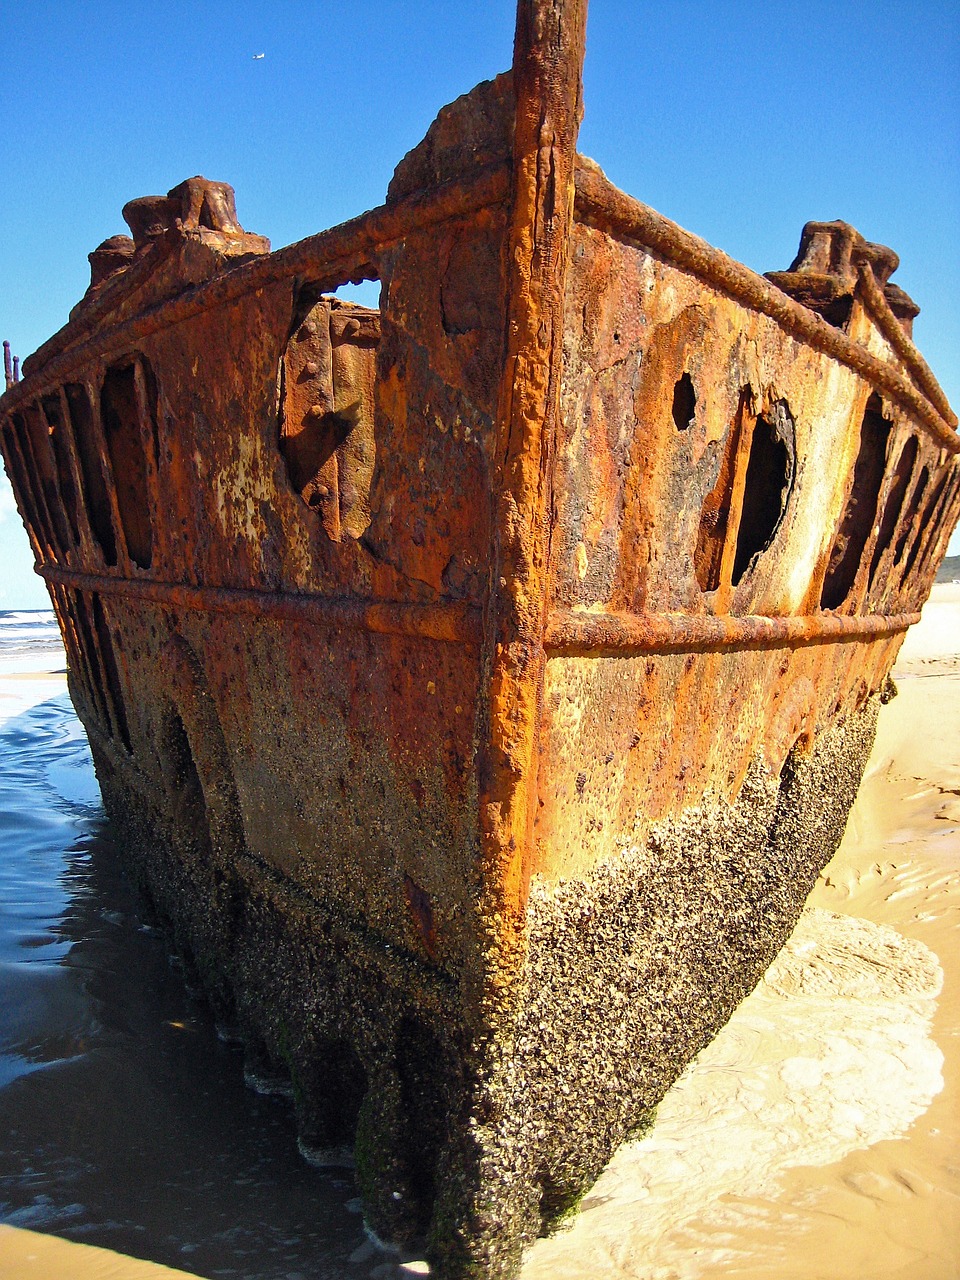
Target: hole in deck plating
{"type": "Point", "coordinates": [326, 429]}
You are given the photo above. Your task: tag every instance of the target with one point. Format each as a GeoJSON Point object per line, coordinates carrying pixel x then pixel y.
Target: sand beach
{"type": "Point", "coordinates": [817, 1137]}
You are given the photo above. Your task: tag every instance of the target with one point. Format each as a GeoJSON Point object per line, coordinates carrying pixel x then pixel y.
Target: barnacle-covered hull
{"type": "Point", "coordinates": [481, 682]}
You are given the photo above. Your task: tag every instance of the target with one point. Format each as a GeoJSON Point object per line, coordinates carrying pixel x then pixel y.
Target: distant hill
{"type": "Point", "coordinates": [949, 570]}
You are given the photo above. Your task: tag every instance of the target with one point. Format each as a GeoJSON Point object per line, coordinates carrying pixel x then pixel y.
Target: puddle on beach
{"type": "Point", "coordinates": [812, 1139]}
{"type": "Point", "coordinates": [125, 1121]}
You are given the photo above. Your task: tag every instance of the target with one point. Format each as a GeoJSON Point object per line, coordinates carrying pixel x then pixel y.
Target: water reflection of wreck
{"type": "Point", "coordinates": [481, 682]}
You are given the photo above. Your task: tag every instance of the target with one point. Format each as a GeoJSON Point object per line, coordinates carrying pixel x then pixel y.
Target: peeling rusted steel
{"type": "Point", "coordinates": [330, 258]}
{"type": "Point", "coordinates": [480, 682]}
{"type": "Point", "coordinates": [600, 204]}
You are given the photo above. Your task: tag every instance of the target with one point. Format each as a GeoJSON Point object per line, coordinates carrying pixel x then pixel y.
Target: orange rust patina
{"type": "Point", "coordinates": [480, 683]}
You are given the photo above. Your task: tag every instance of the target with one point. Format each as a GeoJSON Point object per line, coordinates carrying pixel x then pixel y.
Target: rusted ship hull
{"type": "Point", "coordinates": [481, 683]}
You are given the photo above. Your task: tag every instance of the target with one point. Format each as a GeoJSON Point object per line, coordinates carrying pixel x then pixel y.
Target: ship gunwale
{"type": "Point", "coordinates": [602, 205]}
{"type": "Point", "coordinates": [329, 259]}
{"type": "Point", "coordinates": [332, 258]}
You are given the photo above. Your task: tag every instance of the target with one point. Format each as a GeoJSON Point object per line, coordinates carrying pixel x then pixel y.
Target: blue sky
{"type": "Point", "coordinates": [740, 121]}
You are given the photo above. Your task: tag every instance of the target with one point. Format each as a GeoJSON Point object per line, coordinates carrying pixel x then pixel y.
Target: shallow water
{"type": "Point", "coordinates": [125, 1120]}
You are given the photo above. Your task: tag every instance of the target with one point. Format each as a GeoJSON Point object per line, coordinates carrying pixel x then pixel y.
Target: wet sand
{"type": "Point", "coordinates": [124, 1120]}
{"type": "Point", "coordinates": [819, 1135]}
{"type": "Point", "coordinates": [26, 1254]}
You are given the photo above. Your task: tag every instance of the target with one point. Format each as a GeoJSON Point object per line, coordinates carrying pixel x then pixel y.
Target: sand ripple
{"type": "Point", "coordinates": [832, 1053]}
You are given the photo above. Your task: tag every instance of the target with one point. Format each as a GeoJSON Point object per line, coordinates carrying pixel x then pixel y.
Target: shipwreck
{"type": "Point", "coordinates": [480, 682]}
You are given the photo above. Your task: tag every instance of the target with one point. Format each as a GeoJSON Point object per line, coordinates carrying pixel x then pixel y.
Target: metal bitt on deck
{"type": "Point", "coordinates": [11, 367]}
{"type": "Point", "coordinates": [478, 684]}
